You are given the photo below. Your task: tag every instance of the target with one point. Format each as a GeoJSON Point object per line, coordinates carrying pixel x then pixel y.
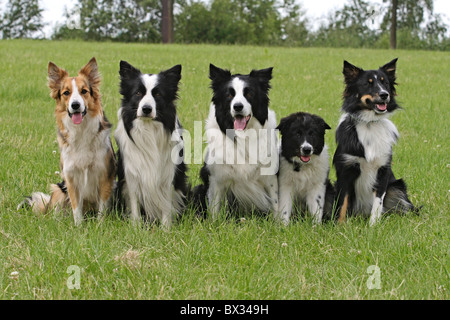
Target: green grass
{"type": "Point", "coordinates": [254, 258]}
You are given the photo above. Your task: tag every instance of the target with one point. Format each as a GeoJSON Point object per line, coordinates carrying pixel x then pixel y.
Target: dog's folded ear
{"type": "Point", "coordinates": [322, 123]}
{"type": "Point", "coordinates": [285, 123]}
{"type": "Point", "coordinates": [350, 72]}
{"type": "Point", "coordinates": [55, 76]}
{"type": "Point", "coordinates": [127, 71]}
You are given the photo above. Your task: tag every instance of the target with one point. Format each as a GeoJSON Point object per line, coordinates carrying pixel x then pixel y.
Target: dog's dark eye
{"type": "Point", "coordinates": [138, 93]}
{"type": "Point", "coordinates": [231, 93]}
{"type": "Point", "coordinates": [66, 93]}
{"type": "Point", "coordinates": [300, 133]}
{"type": "Point", "coordinates": [84, 91]}
{"type": "Point", "coordinates": [156, 92]}
{"type": "Point", "coordinates": [248, 93]}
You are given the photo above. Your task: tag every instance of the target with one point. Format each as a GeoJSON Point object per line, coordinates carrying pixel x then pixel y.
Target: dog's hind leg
{"type": "Point", "coordinates": [397, 198]}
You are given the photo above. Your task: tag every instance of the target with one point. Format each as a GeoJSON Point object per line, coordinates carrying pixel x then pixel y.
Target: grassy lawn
{"type": "Point", "coordinates": [42, 257]}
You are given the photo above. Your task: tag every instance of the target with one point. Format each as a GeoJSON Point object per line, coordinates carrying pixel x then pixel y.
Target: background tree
{"type": "Point", "coordinates": [117, 20]}
{"type": "Point", "coordinates": [411, 22]}
{"type": "Point", "coordinates": [167, 21]}
{"type": "Point", "coordinates": [22, 19]}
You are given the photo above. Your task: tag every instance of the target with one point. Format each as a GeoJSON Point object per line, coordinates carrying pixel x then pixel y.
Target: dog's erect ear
{"type": "Point", "coordinates": [173, 74]}
{"type": "Point", "coordinates": [55, 76]}
{"type": "Point", "coordinates": [218, 75]}
{"type": "Point", "coordinates": [390, 68]}
{"type": "Point", "coordinates": [263, 76]}
{"type": "Point", "coordinates": [91, 72]}
{"type": "Point", "coordinates": [350, 72]}
{"type": "Point", "coordinates": [285, 123]}
{"type": "Point", "coordinates": [127, 71]}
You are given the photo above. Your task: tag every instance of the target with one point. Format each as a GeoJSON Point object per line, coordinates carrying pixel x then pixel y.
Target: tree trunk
{"type": "Point", "coordinates": [167, 21]}
{"type": "Point", "coordinates": [394, 24]}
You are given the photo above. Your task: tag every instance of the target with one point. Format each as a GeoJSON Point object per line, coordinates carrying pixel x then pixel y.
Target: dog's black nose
{"type": "Point", "coordinates": [384, 95]}
{"type": "Point", "coordinates": [238, 107]}
{"type": "Point", "coordinates": [75, 105]}
{"type": "Point", "coordinates": [306, 150]}
{"type": "Point", "coordinates": [146, 109]}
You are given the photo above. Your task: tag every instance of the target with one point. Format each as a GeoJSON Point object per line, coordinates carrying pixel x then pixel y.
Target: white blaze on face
{"type": "Point", "coordinates": [240, 108]}
{"type": "Point", "coordinates": [150, 82]}
{"type": "Point", "coordinates": [76, 100]}
{"type": "Point", "coordinates": [238, 85]}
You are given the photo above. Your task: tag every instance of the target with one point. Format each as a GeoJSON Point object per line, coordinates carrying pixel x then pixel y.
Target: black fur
{"type": "Point", "coordinates": [369, 96]}
{"type": "Point", "coordinates": [165, 94]}
{"type": "Point", "coordinates": [296, 129]}
{"type": "Point", "coordinates": [256, 93]}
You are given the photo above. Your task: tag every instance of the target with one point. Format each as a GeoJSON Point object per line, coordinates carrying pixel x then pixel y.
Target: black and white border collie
{"type": "Point", "coordinates": [241, 159]}
{"type": "Point", "coordinates": [365, 136]}
{"type": "Point", "coordinates": [152, 173]}
{"type": "Point", "coordinates": [304, 166]}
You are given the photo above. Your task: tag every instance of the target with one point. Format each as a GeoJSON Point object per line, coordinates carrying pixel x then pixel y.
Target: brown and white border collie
{"type": "Point", "coordinates": [87, 162]}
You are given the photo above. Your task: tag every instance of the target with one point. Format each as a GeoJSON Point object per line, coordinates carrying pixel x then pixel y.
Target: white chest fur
{"type": "Point", "coordinates": [149, 168]}
{"type": "Point", "coordinates": [377, 138]}
{"type": "Point", "coordinates": [244, 163]}
{"type": "Point", "coordinates": [84, 156]}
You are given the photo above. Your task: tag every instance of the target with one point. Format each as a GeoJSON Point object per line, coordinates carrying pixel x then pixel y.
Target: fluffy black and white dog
{"type": "Point", "coordinates": [241, 159]}
{"type": "Point", "coordinates": [365, 136]}
{"type": "Point", "coordinates": [304, 166]}
{"type": "Point", "coordinates": [152, 173]}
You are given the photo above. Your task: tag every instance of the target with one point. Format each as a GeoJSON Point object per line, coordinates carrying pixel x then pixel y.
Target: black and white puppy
{"type": "Point", "coordinates": [304, 166]}
{"type": "Point", "coordinates": [365, 136]}
{"type": "Point", "coordinates": [152, 173]}
{"type": "Point", "coordinates": [241, 159]}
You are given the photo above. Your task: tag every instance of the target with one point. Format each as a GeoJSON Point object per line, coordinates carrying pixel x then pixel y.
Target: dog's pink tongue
{"type": "Point", "coordinates": [381, 107]}
{"type": "Point", "coordinates": [305, 158]}
{"type": "Point", "coordinates": [239, 123]}
{"type": "Point", "coordinates": [77, 118]}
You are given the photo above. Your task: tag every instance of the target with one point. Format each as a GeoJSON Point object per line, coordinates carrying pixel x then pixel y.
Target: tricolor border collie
{"type": "Point", "coordinates": [151, 173]}
{"type": "Point", "coordinates": [304, 167]}
{"type": "Point", "coordinates": [87, 162]}
{"type": "Point", "coordinates": [365, 136]}
{"type": "Point", "coordinates": [241, 159]}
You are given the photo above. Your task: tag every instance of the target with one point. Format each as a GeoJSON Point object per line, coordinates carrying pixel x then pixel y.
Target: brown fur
{"type": "Point", "coordinates": [88, 84]}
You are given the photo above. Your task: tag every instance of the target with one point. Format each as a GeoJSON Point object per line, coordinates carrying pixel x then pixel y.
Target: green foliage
{"type": "Point", "coordinates": [22, 19]}
{"type": "Point", "coordinates": [238, 22]}
{"type": "Point", "coordinates": [117, 20]}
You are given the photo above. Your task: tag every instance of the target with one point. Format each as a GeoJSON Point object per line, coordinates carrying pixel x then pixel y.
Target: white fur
{"type": "Point", "coordinates": [252, 181]}
{"type": "Point", "coordinates": [149, 170]}
{"type": "Point", "coordinates": [84, 160]}
{"type": "Point", "coordinates": [150, 82]}
{"type": "Point", "coordinates": [238, 86]}
{"type": "Point", "coordinates": [377, 138]}
{"type": "Point", "coordinates": [306, 186]}
{"type": "Point", "coordinates": [75, 97]}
